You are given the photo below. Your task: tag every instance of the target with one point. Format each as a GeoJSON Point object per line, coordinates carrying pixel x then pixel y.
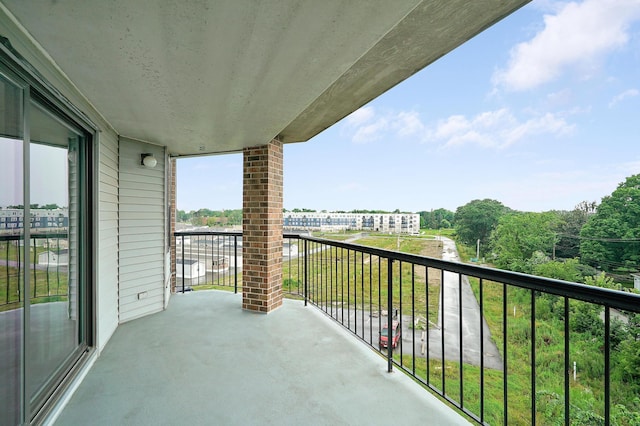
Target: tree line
{"type": "Point", "coordinates": [51, 206]}
{"type": "Point", "coordinates": [594, 244]}
{"type": "Point", "coordinates": [207, 217]}
{"type": "Point", "coordinates": [598, 237]}
{"type": "Point", "coordinates": [213, 218]}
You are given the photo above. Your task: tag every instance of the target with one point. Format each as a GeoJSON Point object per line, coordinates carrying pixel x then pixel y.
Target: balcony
{"type": "Point", "coordinates": [205, 361]}
{"type": "Point", "coordinates": [319, 359]}
{"type": "Point", "coordinates": [500, 347]}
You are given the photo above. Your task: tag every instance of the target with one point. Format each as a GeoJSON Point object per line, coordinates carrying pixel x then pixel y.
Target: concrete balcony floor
{"type": "Point", "coordinates": [205, 361]}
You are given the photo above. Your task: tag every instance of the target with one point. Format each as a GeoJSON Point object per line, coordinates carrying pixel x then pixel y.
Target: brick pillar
{"type": "Point", "coordinates": [262, 228]}
{"type": "Point", "coordinates": [172, 221]}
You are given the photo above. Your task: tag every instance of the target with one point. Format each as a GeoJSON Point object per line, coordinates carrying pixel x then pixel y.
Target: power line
{"type": "Point", "coordinates": [605, 240]}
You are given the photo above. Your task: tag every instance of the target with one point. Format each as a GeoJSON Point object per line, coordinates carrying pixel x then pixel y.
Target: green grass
{"type": "Point", "coordinates": [448, 232]}
{"type": "Point", "coordinates": [49, 287]}
{"type": "Point", "coordinates": [336, 236]}
{"type": "Point", "coordinates": [471, 379]}
{"type": "Point", "coordinates": [586, 393]}
{"type": "Point", "coordinates": [338, 276]}
{"type": "Point", "coordinates": [361, 280]}
{"type": "Point", "coordinates": [9, 250]}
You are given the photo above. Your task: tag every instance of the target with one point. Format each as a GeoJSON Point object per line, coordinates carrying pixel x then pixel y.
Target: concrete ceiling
{"type": "Point", "coordinates": [218, 76]}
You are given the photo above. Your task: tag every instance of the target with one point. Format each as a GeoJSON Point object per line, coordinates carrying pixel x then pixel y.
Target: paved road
{"type": "Point", "coordinates": [360, 322]}
{"type": "Point", "coordinates": [470, 321]}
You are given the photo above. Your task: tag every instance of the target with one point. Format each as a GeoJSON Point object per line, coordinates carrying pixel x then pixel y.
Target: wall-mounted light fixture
{"type": "Point", "coordinates": [148, 160]}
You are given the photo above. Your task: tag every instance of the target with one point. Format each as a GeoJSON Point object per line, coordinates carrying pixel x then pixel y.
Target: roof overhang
{"type": "Point", "coordinates": [206, 77]}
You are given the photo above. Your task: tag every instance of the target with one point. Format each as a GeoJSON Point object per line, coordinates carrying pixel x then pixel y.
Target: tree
{"type": "Point", "coordinates": [476, 219]}
{"type": "Point", "coordinates": [519, 235]}
{"type": "Point", "coordinates": [51, 206]}
{"type": "Point", "coordinates": [569, 227]}
{"type": "Point", "coordinates": [566, 270]}
{"type": "Point", "coordinates": [234, 216]}
{"type": "Point", "coordinates": [601, 280]}
{"type": "Point", "coordinates": [611, 237]}
{"type": "Point", "coordinates": [182, 216]}
{"type": "Point", "coordinates": [436, 219]}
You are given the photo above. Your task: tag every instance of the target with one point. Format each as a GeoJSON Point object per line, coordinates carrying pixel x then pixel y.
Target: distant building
{"type": "Point", "coordinates": [289, 250]}
{"type": "Point", "coordinates": [402, 223]}
{"type": "Point", "coordinates": [192, 268]}
{"type": "Point", "coordinates": [13, 219]}
{"type": "Point", "coordinates": [636, 281]}
{"type": "Point", "coordinates": [219, 263]}
{"type": "Point", "coordinates": [54, 258]}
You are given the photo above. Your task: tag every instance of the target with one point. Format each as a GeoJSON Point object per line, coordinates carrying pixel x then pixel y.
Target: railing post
{"type": "Point", "coordinates": [389, 317]}
{"type": "Point", "coordinates": [235, 264]}
{"type": "Point", "coordinates": [183, 263]}
{"type": "Point", "coordinates": [7, 269]}
{"type": "Point", "coordinates": [306, 268]}
{"type": "Point", "coordinates": [607, 366]}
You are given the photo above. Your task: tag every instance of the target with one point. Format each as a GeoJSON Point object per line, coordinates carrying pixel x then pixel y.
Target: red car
{"type": "Point", "coordinates": [395, 337]}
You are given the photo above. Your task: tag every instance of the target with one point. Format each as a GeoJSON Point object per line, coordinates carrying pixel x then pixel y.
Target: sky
{"type": "Point", "coordinates": [539, 112]}
{"type": "Point", "coordinates": [48, 176]}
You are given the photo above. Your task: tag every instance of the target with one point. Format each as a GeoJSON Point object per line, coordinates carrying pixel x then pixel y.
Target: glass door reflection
{"type": "Point", "coordinates": [54, 333]}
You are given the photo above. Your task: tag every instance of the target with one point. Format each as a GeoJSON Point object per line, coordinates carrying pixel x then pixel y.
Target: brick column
{"type": "Point", "coordinates": [172, 221]}
{"type": "Point", "coordinates": [262, 228]}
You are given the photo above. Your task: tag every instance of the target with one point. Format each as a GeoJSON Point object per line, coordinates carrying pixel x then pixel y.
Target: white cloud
{"type": "Point", "coordinates": [408, 124]}
{"type": "Point", "coordinates": [490, 129]}
{"type": "Point", "coordinates": [562, 97]}
{"type": "Point", "coordinates": [360, 116]}
{"type": "Point", "coordinates": [622, 96]}
{"type": "Point", "coordinates": [577, 35]}
{"type": "Point", "coordinates": [371, 131]}
{"type": "Point", "coordinates": [366, 125]}
{"type": "Point", "coordinates": [495, 129]}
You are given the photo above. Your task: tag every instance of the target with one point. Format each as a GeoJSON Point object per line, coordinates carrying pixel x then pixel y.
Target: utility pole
{"type": "Point", "coordinates": [478, 250]}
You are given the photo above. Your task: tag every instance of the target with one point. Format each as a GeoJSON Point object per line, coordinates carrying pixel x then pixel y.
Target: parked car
{"type": "Point", "coordinates": [395, 336]}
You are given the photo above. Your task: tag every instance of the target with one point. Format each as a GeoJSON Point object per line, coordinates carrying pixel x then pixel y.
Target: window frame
{"type": "Point", "coordinates": [35, 88]}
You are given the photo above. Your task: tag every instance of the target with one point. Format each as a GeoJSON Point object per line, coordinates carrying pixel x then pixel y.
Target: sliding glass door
{"type": "Point", "coordinates": [12, 242]}
{"type": "Point", "coordinates": [44, 248]}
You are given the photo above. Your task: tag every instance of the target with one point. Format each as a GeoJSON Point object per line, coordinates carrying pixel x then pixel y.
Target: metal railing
{"type": "Point", "coordinates": [49, 272]}
{"type": "Point", "coordinates": [501, 347]}
{"type": "Point", "coordinates": [213, 259]}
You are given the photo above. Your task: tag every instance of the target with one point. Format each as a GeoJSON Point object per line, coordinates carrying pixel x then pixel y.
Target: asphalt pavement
{"type": "Point", "coordinates": [366, 325]}
{"type": "Point", "coordinates": [448, 319]}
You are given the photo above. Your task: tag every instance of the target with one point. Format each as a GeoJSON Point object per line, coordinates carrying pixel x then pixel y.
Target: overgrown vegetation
{"type": "Point", "coordinates": [606, 237]}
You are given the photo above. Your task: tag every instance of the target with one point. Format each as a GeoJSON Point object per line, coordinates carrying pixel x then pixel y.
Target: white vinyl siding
{"type": "Point", "coordinates": [107, 256]}
{"type": "Point", "coordinates": [74, 238]}
{"type": "Point", "coordinates": [142, 229]}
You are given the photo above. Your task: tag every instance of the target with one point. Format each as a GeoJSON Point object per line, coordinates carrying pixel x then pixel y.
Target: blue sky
{"type": "Point", "coordinates": [539, 112]}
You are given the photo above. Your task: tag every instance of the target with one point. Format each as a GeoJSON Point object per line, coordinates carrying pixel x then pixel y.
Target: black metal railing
{"type": "Point", "coordinates": [501, 347]}
{"type": "Point", "coordinates": [48, 263]}
{"type": "Point", "coordinates": [213, 259]}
